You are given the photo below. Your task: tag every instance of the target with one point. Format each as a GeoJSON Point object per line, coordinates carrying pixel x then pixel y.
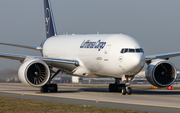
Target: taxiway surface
{"type": "Point", "coordinates": [153, 101]}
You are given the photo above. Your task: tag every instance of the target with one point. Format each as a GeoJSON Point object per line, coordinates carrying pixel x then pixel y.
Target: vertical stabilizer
{"type": "Point", "coordinates": [49, 20]}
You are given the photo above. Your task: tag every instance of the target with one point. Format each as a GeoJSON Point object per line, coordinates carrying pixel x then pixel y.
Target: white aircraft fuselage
{"type": "Point", "coordinates": [108, 55]}
{"type": "Point", "coordinates": [98, 55]}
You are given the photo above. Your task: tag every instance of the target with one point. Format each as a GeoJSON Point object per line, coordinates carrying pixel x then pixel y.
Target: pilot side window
{"type": "Point", "coordinates": [122, 51]}
{"type": "Point", "coordinates": [138, 50]}
{"type": "Point", "coordinates": [141, 50]}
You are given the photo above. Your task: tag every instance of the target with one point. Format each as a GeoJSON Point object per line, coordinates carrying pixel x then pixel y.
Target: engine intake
{"type": "Point", "coordinates": [161, 73]}
{"type": "Point", "coordinates": [34, 72]}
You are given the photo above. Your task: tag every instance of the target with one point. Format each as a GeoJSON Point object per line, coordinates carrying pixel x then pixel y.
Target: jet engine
{"type": "Point", "coordinates": [34, 72]}
{"type": "Point", "coordinates": [161, 73]}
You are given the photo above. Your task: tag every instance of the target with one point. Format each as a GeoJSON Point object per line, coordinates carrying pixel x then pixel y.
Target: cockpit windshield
{"type": "Point", "coordinates": [130, 50]}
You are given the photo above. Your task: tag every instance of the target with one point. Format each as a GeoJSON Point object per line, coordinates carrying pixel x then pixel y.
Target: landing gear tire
{"type": "Point", "coordinates": [129, 91]}
{"type": "Point", "coordinates": [113, 88]}
{"type": "Point", "coordinates": [120, 88]}
{"type": "Point", "coordinates": [53, 88]}
{"type": "Point", "coordinates": [49, 88]}
{"type": "Point", "coordinates": [110, 87]}
{"type": "Point", "coordinates": [44, 89]}
{"type": "Point", "coordinates": [123, 91]}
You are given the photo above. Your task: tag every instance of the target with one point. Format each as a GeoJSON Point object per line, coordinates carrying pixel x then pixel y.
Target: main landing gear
{"type": "Point", "coordinates": [50, 87]}
{"type": "Point", "coordinates": [117, 87]}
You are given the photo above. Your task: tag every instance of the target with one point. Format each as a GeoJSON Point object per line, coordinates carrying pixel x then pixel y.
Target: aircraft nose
{"type": "Point", "coordinates": [137, 62]}
{"type": "Point", "coordinates": [138, 59]}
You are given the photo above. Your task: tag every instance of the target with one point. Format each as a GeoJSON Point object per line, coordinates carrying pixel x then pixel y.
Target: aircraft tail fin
{"type": "Point", "coordinates": [49, 20]}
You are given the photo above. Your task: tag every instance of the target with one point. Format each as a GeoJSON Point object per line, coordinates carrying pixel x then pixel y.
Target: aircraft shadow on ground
{"type": "Point", "coordinates": [138, 92]}
{"type": "Point", "coordinates": [20, 90]}
{"type": "Point", "coordinates": [80, 90]}
{"type": "Point", "coordinates": [159, 92]}
{"type": "Point", "coordinates": [68, 91]}
{"type": "Point", "coordinates": [106, 90]}
{"type": "Point", "coordinates": [58, 92]}
{"type": "Point", "coordinates": [141, 92]}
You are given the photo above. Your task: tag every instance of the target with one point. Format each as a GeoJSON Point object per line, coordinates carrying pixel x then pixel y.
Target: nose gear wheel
{"type": "Point", "coordinates": [123, 88]}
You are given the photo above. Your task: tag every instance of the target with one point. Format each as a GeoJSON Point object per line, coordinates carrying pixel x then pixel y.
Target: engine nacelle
{"type": "Point", "coordinates": [34, 72]}
{"type": "Point", "coordinates": [161, 73]}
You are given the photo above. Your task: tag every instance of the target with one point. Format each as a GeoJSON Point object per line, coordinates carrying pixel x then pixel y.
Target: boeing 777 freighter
{"type": "Point", "coordinates": [109, 55]}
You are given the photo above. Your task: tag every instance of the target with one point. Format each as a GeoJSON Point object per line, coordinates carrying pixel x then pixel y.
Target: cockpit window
{"type": "Point", "coordinates": [122, 51]}
{"type": "Point", "coordinates": [126, 50]}
{"type": "Point", "coordinates": [130, 50]}
{"type": "Point", "coordinates": [141, 50]}
{"type": "Point", "coordinates": [138, 50]}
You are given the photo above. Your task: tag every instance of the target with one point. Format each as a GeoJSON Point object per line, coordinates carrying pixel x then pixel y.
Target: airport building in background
{"type": "Point", "coordinates": [140, 78]}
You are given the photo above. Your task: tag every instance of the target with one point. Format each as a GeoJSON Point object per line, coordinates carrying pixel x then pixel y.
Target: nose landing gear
{"type": "Point", "coordinates": [123, 88]}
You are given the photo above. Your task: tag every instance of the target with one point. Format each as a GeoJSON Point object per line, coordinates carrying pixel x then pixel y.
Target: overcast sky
{"type": "Point", "coordinates": [154, 23]}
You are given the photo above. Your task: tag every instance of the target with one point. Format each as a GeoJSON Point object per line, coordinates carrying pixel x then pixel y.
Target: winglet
{"type": "Point", "coordinates": [49, 20]}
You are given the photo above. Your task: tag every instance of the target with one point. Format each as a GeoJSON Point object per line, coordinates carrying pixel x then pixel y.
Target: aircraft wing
{"type": "Point", "coordinates": [65, 64]}
{"type": "Point", "coordinates": [162, 56]}
{"type": "Point", "coordinates": [22, 46]}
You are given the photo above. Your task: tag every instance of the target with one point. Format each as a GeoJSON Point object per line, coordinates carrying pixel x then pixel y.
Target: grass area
{"type": "Point", "coordinates": [10, 105]}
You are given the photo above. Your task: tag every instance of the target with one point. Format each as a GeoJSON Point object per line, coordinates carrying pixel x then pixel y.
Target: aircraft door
{"type": "Point", "coordinates": [106, 52]}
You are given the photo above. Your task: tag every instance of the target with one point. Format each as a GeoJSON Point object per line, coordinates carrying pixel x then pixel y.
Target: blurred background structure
{"type": "Point", "coordinates": [11, 76]}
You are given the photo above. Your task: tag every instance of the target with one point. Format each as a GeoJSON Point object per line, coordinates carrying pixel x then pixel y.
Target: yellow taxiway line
{"type": "Point", "coordinates": [100, 92]}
